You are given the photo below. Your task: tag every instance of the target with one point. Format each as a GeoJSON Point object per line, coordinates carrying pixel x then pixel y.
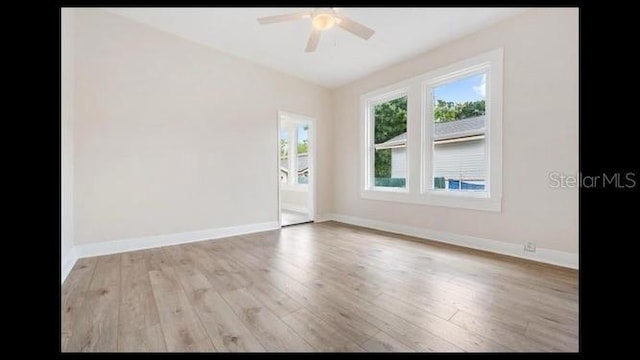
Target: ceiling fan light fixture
{"type": "Point", "coordinates": [323, 22]}
{"type": "Point", "coordinates": [322, 19]}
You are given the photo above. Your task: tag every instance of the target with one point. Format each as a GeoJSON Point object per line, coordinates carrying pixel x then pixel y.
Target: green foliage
{"type": "Point", "coordinates": [303, 147]}
{"type": "Point", "coordinates": [283, 148]}
{"type": "Point", "coordinates": [383, 163]}
{"type": "Point", "coordinates": [390, 121]}
{"type": "Point", "coordinates": [448, 110]}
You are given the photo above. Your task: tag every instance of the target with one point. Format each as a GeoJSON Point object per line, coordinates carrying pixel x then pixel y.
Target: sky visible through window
{"type": "Point", "coordinates": [302, 133]}
{"type": "Point", "coordinates": [467, 89]}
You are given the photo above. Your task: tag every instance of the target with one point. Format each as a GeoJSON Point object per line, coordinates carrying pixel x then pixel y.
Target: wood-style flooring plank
{"type": "Point", "coordinates": [96, 324]}
{"type": "Point", "coordinates": [321, 335]}
{"type": "Point", "coordinates": [457, 335]}
{"type": "Point", "coordinates": [181, 326]}
{"type": "Point", "coordinates": [226, 331]}
{"type": "Point", "coordinates": [139, 327]}
{"type": "Point", "coordinates": [74, 294]}
{"type": "Point", "coordinates": [272, 333]}
{"type": "Point", "coordinates": [318, 287]}
{"type": "Point", "coordinates": [215, 269]}
{"type": "Point", "coordinates": [557, 336]}
{"type": "Point", "coordinates": [398, 327]}
{"type": "Point", "coordinates": [501, 332]}
{"type": "Point", "coordinates": [382, 342]}
{"type": "Point", "coordinates": [350, 323]}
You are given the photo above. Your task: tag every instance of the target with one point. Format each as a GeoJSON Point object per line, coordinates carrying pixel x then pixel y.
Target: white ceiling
{"type": "Point", "coordinates": [341, 57]}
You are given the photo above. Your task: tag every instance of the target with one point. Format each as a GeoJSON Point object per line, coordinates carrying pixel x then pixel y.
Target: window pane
{"type": "Point", "coordinates": [284, 156]}
{"type": "Point", "coordinates": [390, 167]}
{"type": "Point", "coordinates": [303, 154]}
{"type": "Point", "coordinates": [390, 136]}
{"type": "Point", "coordinates": [459, 162]}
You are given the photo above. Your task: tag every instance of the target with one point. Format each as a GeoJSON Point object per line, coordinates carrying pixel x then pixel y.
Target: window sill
{"type": "Point", "coordinates": [471, 201]}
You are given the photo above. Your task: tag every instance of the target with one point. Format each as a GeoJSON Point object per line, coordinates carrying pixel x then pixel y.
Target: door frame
{"type": "Point", "coordinates": [311, 136]}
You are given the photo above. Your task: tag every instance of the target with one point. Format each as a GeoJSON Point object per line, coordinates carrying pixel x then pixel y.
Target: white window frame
{"type": "Point", "coordinates": [419, 183]}
{"type": "Point", "coordinates": [382, 96]}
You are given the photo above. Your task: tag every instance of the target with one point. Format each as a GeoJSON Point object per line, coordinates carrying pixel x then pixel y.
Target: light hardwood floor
{"type": "Point", "coordinates": [318, 287]}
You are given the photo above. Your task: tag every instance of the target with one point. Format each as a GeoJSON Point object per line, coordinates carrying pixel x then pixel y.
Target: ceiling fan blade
{"type": "Point", "coordinates": [286, 17]}
{"type": "Point", "coordinates": [354, 27]}
{"type": "Point", "coordinates": [314, 38]}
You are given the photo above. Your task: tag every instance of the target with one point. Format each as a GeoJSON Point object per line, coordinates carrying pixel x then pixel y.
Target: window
{"type": "Point", "coordinates": [284, 156]}
{"type": "Point", "coordinates": [458, 141]}
{"type": "Point", "coordinates": [294, 154]}
{"type": "Point", "coordinates": [389, 143]}
{"type": "Point", "coordinates": [302, 154]}
{"type": "Point", "coordinates": [453, 155]}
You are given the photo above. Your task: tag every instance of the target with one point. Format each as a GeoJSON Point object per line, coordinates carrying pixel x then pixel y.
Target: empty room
{"type": "Point", "coordinates": [319, 179]}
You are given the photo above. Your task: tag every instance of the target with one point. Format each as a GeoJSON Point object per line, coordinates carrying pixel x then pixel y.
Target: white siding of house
{"type": "Point", "coordinates": [465, 159]}
{"type": "Point", "coordinates": [451, 160]}
{"type": "Point", "coordinates": [399, 162]}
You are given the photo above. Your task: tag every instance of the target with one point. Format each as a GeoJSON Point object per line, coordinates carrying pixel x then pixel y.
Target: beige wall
{"type": "Point", "coordinates": [67, 84]}
{"type": "Point", "coordinates": [164, 135]}
{"type": "Point", "coordinates": [540, 135]}
{"type": "Point", "coordinates": [172, 136]}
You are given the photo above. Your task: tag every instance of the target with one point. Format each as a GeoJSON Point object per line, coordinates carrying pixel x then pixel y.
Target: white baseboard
{"type": "Point", "coordinates": [323, 217]}
{"type": "Point", "coordinates": [147, 242]}
{"type": "Point", "coordinates": [294, 207]}
{"type": "Point", "coordinates": [549, 256]}
{"type": "Point", "coordinates": [67, 263]}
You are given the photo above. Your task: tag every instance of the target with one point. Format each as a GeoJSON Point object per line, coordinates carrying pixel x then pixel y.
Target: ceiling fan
{"type": "Point", "coordinates": [322, 19]}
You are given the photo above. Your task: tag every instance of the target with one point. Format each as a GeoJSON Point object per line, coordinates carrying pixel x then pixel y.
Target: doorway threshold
{"type": "Point", "coordinates": [300, 223]}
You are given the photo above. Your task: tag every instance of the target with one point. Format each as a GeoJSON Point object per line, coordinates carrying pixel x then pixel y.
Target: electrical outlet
{"type": "Point", "coordinates": [530, 246]}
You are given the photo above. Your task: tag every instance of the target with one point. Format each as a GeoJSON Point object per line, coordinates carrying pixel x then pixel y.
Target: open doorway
{"type": "Point", "coordinates": [296, 155]}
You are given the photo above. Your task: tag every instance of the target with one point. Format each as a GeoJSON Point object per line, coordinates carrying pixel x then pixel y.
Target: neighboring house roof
{"type": "Point", "coordinates": [303, 163]}
{"type": "Point", "coordinates": [447, 130]}
{"type": "Point", "coordinates": [459, 128]}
